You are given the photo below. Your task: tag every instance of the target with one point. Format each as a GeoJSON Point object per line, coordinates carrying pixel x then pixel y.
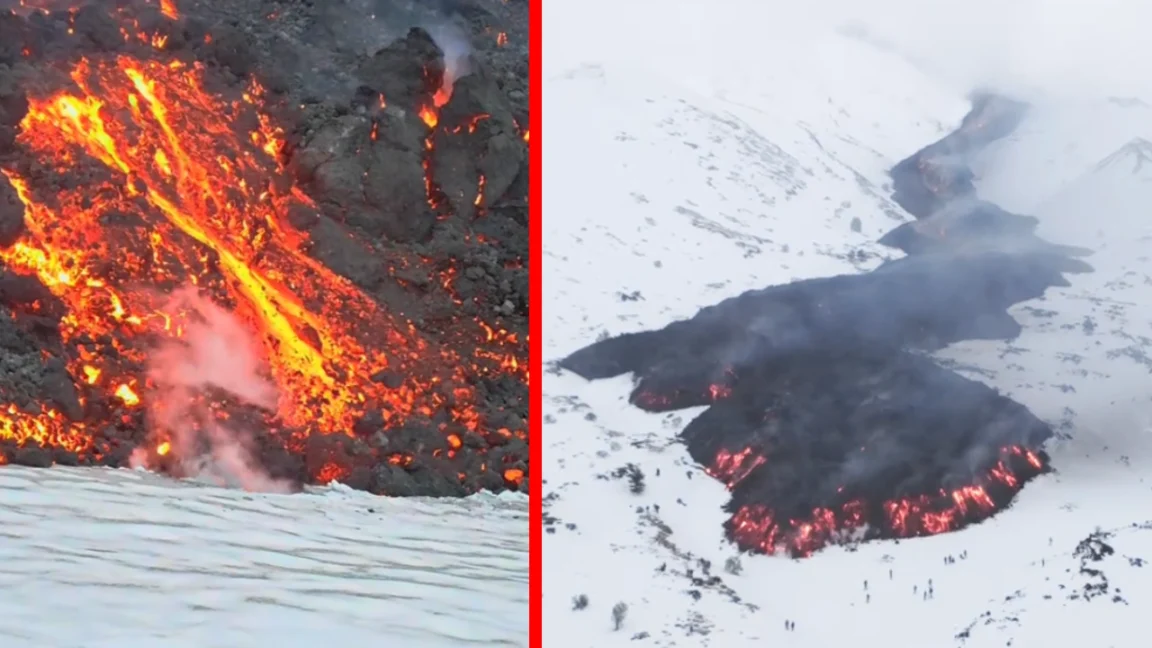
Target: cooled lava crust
{"type": "Point", "coordinates": [824, 419]}
{"type": "Point", "coordinates": [321, 172]}
{"type": "Point", "coordinates": [823, 448]}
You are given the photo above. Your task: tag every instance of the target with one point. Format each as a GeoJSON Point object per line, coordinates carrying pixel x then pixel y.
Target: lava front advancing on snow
{"type": "Point", "coordinates": [757, 528]}
{"type": "Point", "coordinates": [830, 447]}
{"type": "Point", "coordinates": [812, 454]}
{"type": "Point", "coordinates": [141, 172]}
{"type": "Point", "coordinates": [824, 420]}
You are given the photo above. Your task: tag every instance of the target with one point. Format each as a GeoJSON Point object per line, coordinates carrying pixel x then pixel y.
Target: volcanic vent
{"type": "Point", "coordinates": [209, 267]}
{"type": "Point", "coordinates": [825, 419]}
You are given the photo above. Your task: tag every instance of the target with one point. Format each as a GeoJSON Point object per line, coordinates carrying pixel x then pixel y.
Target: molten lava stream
{"type": "Point", "coordinates": [199, 174]}
{"type": "Point", "coordinates": [756, 527]}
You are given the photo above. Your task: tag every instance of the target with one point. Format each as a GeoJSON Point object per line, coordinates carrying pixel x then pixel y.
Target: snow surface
{"type": "Point", "coordinates": [93, 558]}
{"type": "Point", "coordinates": [695, 154]}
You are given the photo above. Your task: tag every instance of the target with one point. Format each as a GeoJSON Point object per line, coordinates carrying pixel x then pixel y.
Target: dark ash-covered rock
{"type": "Point", "coordinates": [11, 213]}
{"type": "Point", "coordinates": [408, 73]}
{"type": "Point", "coordinates": [479, 149]}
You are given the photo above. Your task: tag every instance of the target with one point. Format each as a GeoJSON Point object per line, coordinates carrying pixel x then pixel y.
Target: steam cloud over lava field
{"type": "Point", "coordinates": [260, 241]}
{"type": "Point", "coordinates": [825, 418]}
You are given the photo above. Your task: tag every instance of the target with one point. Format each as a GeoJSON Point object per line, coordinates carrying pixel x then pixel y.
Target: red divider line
{"type": "Point", "coordinates": [536, 328]}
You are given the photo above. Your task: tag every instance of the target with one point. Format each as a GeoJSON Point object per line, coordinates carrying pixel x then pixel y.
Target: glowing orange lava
{"type": "Point", "coordinates": [430, 116]}
{"type": "Point", "coordinates": [168, 8]}
{"type": "Point", "coordinates": [732, 468]}
{"type": "Point", "coordinates": [331, 472]}
{"type": "Point", "coordinates": [183, 186]}
{"type": "Point", "coordinates": [757, 528]}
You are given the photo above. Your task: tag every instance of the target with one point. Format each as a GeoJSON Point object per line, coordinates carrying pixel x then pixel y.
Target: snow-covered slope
{"type": "Point", "coordinates": [671, 184]}
{"type": "Point", "coordinates": [93, 558]}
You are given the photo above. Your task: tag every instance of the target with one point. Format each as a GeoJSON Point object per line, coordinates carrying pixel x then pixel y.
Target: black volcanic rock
{"type": "Point", "coordinates": [478, 151]}
{"type": "Point", "coordinates": [13, 106]}
{"type": "Point", "coordinates": [94, 23]}
{"type": "Point", "coordinates": [394, 186]}
{"type": "Point", "coordinates": [231, 48]}
{"type": "Point", "coordinates": [13, 31]}
{"type": "Point", "coordinates": [958, 224]}
{"type": "Point", "coordinates": [939, 175]}
{"type": "Point", "coordinates": [379, 170]}
{"type": "Point", "coordinates": [339, 250]}
{"type": "Point", "coordinates": [408, 72]}
{"type": "Point", "coordinates": [918, 302]}
{"type": "Point", "coordinates": [367, 169]}
{"type": "Point", "coordinates": [30, 372]}
{"type": "Point", "coordinates": [977, 225]}
{"type": "Point", "coordinates": [375, 186]}
{"type": "Point", "coordinates": [33, 457]}
{"type": "Point", "coordinates": [931, 179]}
{"type": "Point", "coordinates": [17, 290]}
{"type": "Point", "coordinates": [11, 214]}
{"type": "Point", "coordinates": [327, 160]}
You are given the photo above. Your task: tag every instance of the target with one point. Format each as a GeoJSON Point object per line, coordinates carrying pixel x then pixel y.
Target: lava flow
{"type": "Point", "coordinates": [824, 419]}
{"type": "Point", "coordinates": [137, 180]}
{"type": "Point", "coordinates": [213, 217]}
{"type": "Point", "coordinates": [812, 456]}
{"type": "Point", "coordinates": [756, 527]}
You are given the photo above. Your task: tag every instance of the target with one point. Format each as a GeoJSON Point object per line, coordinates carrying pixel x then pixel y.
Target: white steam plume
{"type": "Point", "coordinates": [453, 41]}
{"type": "Point", "coordinates": [216, 353]}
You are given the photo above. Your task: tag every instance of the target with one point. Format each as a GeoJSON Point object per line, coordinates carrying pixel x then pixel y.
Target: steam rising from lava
{"type": "Point", "coordinates": [215, 358]}
{"type": "Point", "coordinates": [454, 44]}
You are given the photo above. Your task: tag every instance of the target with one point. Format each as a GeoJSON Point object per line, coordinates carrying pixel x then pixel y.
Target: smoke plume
{"type": "Point", "coordinates": [454, 43]}
{"type": "Point", "coordinates": [214, 358]}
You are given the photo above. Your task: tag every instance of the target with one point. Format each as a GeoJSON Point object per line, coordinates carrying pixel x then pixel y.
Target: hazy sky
{"type": "Point", "coordinates": [1070, 47]}
{"type": "Point", "coordinates": [1077, 47]}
